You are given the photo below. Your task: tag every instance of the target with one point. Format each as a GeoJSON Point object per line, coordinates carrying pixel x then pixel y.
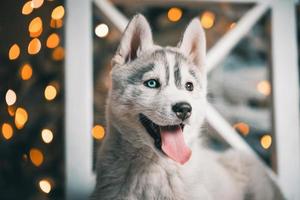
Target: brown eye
{"type": "Point", "coordinates": [189, 86]}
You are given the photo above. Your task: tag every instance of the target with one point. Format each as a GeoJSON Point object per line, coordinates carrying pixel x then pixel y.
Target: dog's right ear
{"type": "Point", "coordinates": [136, 39]}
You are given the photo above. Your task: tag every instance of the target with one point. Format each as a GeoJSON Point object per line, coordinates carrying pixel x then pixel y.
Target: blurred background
{"type": "Point", "coordinates": [33, 93]}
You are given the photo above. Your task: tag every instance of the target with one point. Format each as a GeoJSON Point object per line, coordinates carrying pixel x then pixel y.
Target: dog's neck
{"type": "Point", "coordinates": [124, 166]}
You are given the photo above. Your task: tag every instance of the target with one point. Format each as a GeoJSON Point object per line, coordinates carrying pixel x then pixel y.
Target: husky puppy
{"type": "Point", "coordinates": [154, 113]}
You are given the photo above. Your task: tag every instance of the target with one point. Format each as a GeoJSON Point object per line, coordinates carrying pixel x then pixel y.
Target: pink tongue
{"type": "Point", "coordinates": [174, 146]}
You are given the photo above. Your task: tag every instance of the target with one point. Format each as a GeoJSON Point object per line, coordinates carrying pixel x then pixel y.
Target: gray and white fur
{"type": "Point", "coordinates": [129, 166]}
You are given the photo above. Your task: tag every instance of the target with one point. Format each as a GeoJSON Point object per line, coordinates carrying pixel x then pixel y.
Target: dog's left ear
{"type": "Point", "coordinates": [193, 43]}
{"type": "Point", "coordinates": [136, 39]}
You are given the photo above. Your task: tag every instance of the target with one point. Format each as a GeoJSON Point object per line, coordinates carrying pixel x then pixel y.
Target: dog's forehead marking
{"type": "Point", "coordinates": [161, 55]}
{"type": "Point", "coordinates": [139, 72]}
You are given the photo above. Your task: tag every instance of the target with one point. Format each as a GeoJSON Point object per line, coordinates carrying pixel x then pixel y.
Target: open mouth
{"type": "Point", "coordinates": [169, 139]}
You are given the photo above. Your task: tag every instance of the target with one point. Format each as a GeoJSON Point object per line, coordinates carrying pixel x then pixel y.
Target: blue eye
{"type": "Point", "coordinates": [152, 83]}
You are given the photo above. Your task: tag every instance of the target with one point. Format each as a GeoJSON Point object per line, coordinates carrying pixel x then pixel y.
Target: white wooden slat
{"type": "Point", "coordinates": [286, 96]}
{"type": "Point", "coordinates": [78, 100]}
{"type": "Point", "coordinates": [225, 44]}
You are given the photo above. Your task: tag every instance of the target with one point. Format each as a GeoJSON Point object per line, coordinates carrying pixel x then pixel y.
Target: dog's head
{"type": "Point", "coordinates": [158, 94]}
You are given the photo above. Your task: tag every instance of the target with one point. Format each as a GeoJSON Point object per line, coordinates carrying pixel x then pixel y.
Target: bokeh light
{"type": "Point", "coordinates": [58, 13]}
{"type": "Point", "coordinates": [7, 131]}
{"type": "Point", "coordinates": [56, 23]}
{"type": "Point", "coordinates": [27, 8]}
{"type": "Point", "coordinates": [266, 141]}
{"type": "Point", "coordinates": [207, 19]}
{"type": "Point", "coordinates": [50, 92]}
{"type": "Point", "coordinates": [14, 52]}
{"type": "Point", "coordinates": [36, 157]}
{"type": "Point", "coordinates": [36, 3]}
{"type": "Point", "coordinates": [52, 41]}
{"type": "Point", "coordinates": [34, 46]}
{"type": "Point", "coordinates": [98, 132]}
{"type": "Point", "coordinates": [35, 27]}
{"type": "Point", "coordinates": [242, 127]}
{"type": "Point", "coordinates": [10, 97]}
{"type": "Point", "coordinates": [26, 72]}
{"type": "Point", "coordinates": [232, 25]}
{"type": "Point", "coordinates": [174, 14]}
{"type": "Point", "coordinates": [264, 87]}
{"type": "Point", "coordinates": [47, 135]}
{"type": "Point", "coordinates": [58, 53]}
{"type": "Point", "coordinates": [45, 186]}
{"type": "Point", "coordinates": [102, 30]}
{"type": "Point", "coordinates": [21, 117]}
{"type": "Point", "coordinates": [11, 110]}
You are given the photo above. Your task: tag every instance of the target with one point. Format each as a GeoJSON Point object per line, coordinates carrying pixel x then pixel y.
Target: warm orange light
{"type": "Point", "coordinates": [34, 46]}
{"type": "Point", "coordinates": [58, 12]}
{"type": "Point", "coordinates": [35, 27]}
{"type": "Point", "coordinates": [53, 41]}
{"type": "Point", "coordinates": [26, 72]}
{"type": "Point", "coordinates": [56, 23]}
{"type": "Point", "coordinates": [45, 186]}
{"type": "Point", "coordinates": [50, 92]}
{"type": "Point", "coordinates": [10, 97]}
{"type": "Point", "coordinates": [47, 135]}
{"type": "Point", "coordinates": [174, 14]}
{"type": "Point", "coordinates": [36, 34]}
{"type": "Point", "coordinates": [266, 141]}
{"type": "Point", "coordinates": [207, 19]}
{"type": "Point", "coordinates": [14, 52]}
{"type": "Point", "coordinates": [98, 132]}
{"type": "Point", "coordinates": [264, 87]}
{"type": "Point", "coordinates": [232, 25]}
{"type": "Point", "coordinates": [27, 9]}
{"type": "Point", "coordinates": [58, 53]}
{"type": "Point", "coordinates": [11, 110]}
{"type": "Point", "coordinates": [7, 131]}
{"type": "Point", "coordinates": [36, 157]}
{"type": "Point", "coordinates": [21, 117]}
{"type": "Point", "coordinates": [36, 3]}
{"type": "Point", "coordinates": [243, 128]}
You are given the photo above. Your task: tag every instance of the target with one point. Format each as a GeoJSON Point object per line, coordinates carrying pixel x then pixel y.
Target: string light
{"type": "Point", "coordinates": [21, 117]}
{"type": "Point", "coordinates": [102, 30]}
{"type": "Point", "coordinates": [98, 132]}
{"type": "Point", "coordinates": [58, 12]}
{"type": "Point", "coordinates": [50, 92]}
{"type": "Point", "coordinates": [10, 97]}
{"type": "Point", "coordinates": [7, 131]}
{"type": "Point", "coordinates": [27, 8]}
{"type": "Point", "coordinates": [266, 141]}
{"type": "Point", "coordinates": [47, 136]}
{"type": "Point", "coordinates": [45, 186]}
{"type": "Point", "coordinates": [36, 157]}
{"type": "Point", "coordinates": [174, 14]}
{"type": "Point", "coordinates": [56, 23]}
{"type": "Point", "coordinates": [36, 3]}
{"type": "Point", "coordinates": [26, 72]}
{"type": "Point", "coordinates": [34, 46]}
{"type": "Point", "coordinates": [35, 27]}
{"type": "Point", "coordinates": [14, 52]}
{"type": "Point", "coordinates": [207, 19]}
{"type": "Point", "coordinates": [58, 53]}
{"type": "Point", "coordinates": [264, 87]}
{"type": "Point", "coordinates": [53, 41]}
{"type": "Point", "coordinates": [243, 128]}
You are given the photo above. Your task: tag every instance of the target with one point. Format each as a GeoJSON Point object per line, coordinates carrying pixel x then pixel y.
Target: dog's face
{"type": "Point", "coordinates": [158, 94]}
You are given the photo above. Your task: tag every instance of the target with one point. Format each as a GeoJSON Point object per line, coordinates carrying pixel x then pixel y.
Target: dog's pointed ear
{"type": "Point", "coordinates": [193, 43]}
{"type": "Point", "coordinates": [136, 39]}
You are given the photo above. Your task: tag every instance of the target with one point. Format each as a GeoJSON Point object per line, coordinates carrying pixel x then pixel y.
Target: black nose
{"type": "Point", "coordinates": [182, 110]}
